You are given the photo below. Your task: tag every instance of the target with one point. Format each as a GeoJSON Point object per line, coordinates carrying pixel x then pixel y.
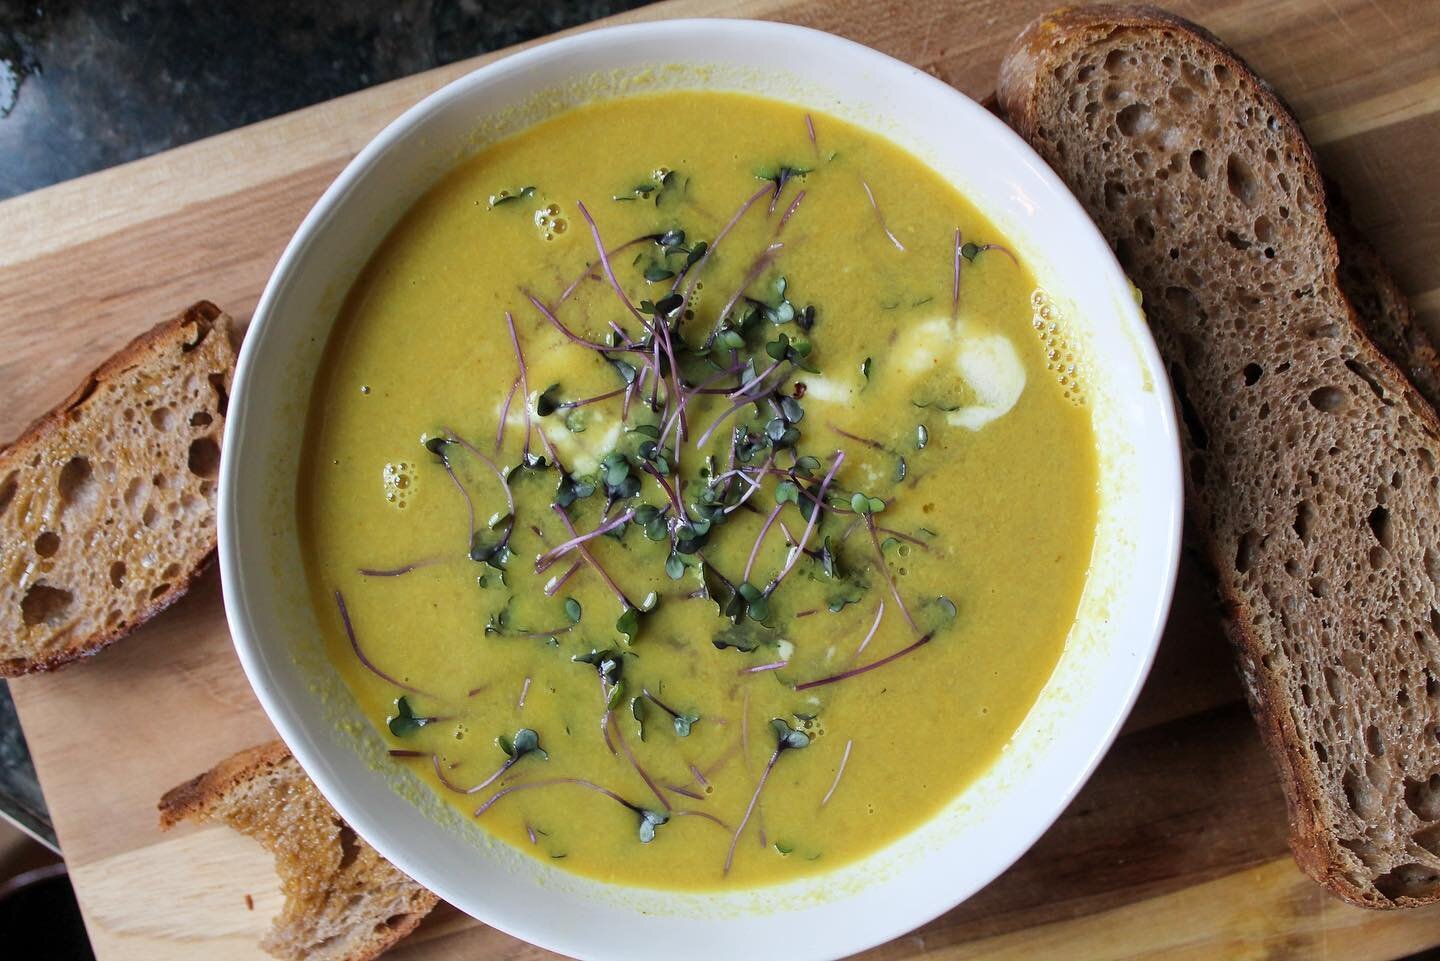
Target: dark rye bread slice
{"type": "Point", "coordinates": [343, 901]}
{"type": "Point", "coordinates": [1382, 308]}
{"type": "Point", "coordinates": [1311, 462]}
{"type": "Point", "coordinates": [107, 503]}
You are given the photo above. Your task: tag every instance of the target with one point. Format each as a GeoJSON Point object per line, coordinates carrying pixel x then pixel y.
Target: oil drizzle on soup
{"type": "Point", "coordinates": [696, 511]}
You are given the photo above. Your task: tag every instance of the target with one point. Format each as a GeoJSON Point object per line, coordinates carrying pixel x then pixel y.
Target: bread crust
{"type": "Point", "coordinates": [1315, 848]}
{"type": "Point", "coordinates": [191, 327]}
{"type": "Point", "coordinates": [197, 798]}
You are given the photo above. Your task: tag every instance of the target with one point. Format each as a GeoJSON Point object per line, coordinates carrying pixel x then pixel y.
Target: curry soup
{"type": "Point", "coordinates": [588, 595]}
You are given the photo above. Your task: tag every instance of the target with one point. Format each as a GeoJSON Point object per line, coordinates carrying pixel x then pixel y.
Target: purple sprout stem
{"type": "Point", "coordinates": [450, 785]}
{"type": "Point", "coordinates": [684, 792]}
{"type": "Point", "coordinates": [754, 487]}
{"type": "Point", "coordinates": [524, 379]}
{"type": "Point", "coordinates": [955, 289]}
{"type": "Point", "coordinates": [872, 444]}
{"type": "Point", "coordinates": [469, 503]}
{"type": "Point", "coordinates": [725, 757]}
{"type": "Point", "coordinates": [748, 388]}
{"type": "Point", "coordinates": [755, 551]}
{"type": "Point", "coordinates": [659, 703]}
{"type": "Point", "coordinates": [360, 654]}
{"type": "Point", "coordinates": [605, 263]}
{"type": "Point", "coordinates": [659, 329]}
{"type": "Point", "coordinates": [799, 549]}
{"type": "Point", "coordinates": [750, 809]}
{"type": "Point", "coordinates": [879, 613]}
{"type": "Point", "coordinates": [772, 666]}
{"type": "Point", "coordinates": [589, 271]}
{"type": "Point", "coordinates": [910, 538]}
{"type": "Point", "coordinates": [685, 395]}
{"type": "Point", "coordinates": [789, 212]}
{"type": "Point", "coordinates": [566, 332]}
{"type": "Point", "coordinates": [572, 404]}
{"type": "Point", "coordinates": [590, 558]}
{"type": "Point", "coordinates": [524, 690]}
{"type": "Point", "coordinates": [694, 274]}
{"type": "Point", "coordinates": [635, 763]}
{"type": "Point", "coordinates": [738, 405]}
{"type": "Point", "coordinates": [885, 568]}
{"type": "Point", "coordinates": [844, 759]}
{"type": "Point", "coordinates": [605, 720]}
{"type": "Point", "coordinates": [397, 571]}
{"type": "Point", "coordinates": [550, 449]}
{"type": "Point", "coordinates": [555, 583]}
{"type": "Point", "coordinates": [505, 414]}
{"type": "Point", "coordinates": [810, 129]}
{"type": "Point", "coordinates": [853, 672]}
{"type": "Point", "coordinates": [766, 258]}
{"type": "Point", "coordinates": [545, 561]}
{"type": "Point", "coordinates": [880, 218]}
{"type": "Point", "coordinates": [1004, 250]}
{"type": "Point", "coordinates": [495, 468]}
{"type": "Point", "coordinates": [680, 514]}
{"type": "Point", "coordinates": [701, 814]}
{"type": "Point", "coordinates": [548, 782]}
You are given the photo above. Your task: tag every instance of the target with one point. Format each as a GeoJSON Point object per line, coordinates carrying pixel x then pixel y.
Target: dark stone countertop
{"type": "Point", "coordinates": [84, 86]}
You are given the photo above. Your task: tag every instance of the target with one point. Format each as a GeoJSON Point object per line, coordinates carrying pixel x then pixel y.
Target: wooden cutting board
{"type": "Point", "coordinates": [1176, 848]}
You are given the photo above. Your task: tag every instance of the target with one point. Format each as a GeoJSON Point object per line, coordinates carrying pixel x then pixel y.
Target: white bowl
{"type": "Point", "coordinates": [1079, 711]}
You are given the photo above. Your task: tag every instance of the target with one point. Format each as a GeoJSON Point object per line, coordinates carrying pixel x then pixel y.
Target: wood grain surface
{"type": "Point", "coordinates": [1175, 849]}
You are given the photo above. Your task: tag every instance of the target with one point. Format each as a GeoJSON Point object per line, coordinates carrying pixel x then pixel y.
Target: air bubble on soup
{"type": "Point", "coordinates": [1060, 357]}
{"type": "Point", "coordinates": [550, 221]}
{"type": "Point", "coordinates": [398, 482]}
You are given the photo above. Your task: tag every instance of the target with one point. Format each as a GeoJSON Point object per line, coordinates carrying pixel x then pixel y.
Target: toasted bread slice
{"type": "Point", "coordinates": [107, 503]}
{"type": "Point", "coordinates": [1311, 461]}
{"type": "Point", "coordinates": [343, 901]}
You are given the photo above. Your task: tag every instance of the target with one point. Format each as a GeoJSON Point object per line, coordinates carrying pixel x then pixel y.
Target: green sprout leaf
{"type": "Point", "coordinates": [788, 738]}
{"type": "Point", "coordinates": [628, 624]}
{"type": "Point", "coordinates": [616, 695]}
{"type": "Point", "coordinates": [510, 196]}
{"type": "Point", "coordinates": [548, 401]}
{"type": "Point", "coordinates": [406, 721]}
{"type": "Point", "coordinates": [524, 742]}
{"type": "Point", "coordinates": [637, 711]}
{"type": "Point", "coordinates": [573, 610]}
{"type": "Point", "coordinates": [649, 821]}
{"type": "Point", "coordinates": [684, 721]}
{"type": "Point", "coordinates": [607, 664]}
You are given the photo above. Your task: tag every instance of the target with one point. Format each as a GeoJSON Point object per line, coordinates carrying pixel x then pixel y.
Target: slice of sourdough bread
{"type": "Point", "coordinates": [1381, 307]}
{"type": "Point", "coordinates": [1311, 462]}
{"type": "Point", "coordinates": [343, 901]}
{"type": "Point", "coordinates": [107, 503]}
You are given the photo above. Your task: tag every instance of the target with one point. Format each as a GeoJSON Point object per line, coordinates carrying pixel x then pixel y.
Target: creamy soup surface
{"type": "Point", "coordinates": [589, 596]}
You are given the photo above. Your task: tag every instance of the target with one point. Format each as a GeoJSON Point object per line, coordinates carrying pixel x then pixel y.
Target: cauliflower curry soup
{"type": "Point", "coordinates": [700, 510]}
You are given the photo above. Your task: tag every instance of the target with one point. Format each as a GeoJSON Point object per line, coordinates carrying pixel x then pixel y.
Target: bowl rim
{"type": "Point", "coordinates": [1164, 530]}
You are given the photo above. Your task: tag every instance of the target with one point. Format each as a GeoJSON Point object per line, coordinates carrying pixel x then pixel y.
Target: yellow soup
{"type": "Point", "coordinates": [590, 598]}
